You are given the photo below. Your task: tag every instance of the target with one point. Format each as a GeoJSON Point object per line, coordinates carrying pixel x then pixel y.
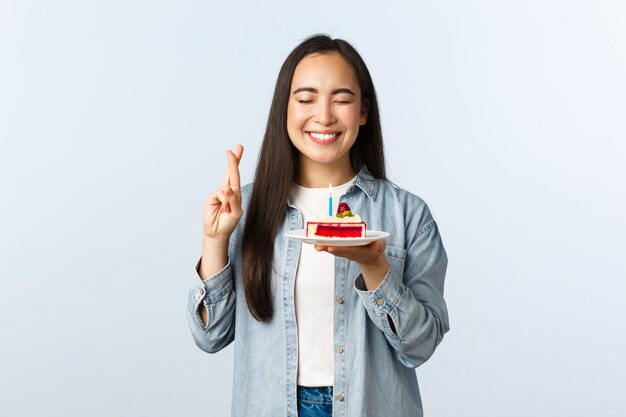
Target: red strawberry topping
{"type": "Point", "coordinates": [342, 207]}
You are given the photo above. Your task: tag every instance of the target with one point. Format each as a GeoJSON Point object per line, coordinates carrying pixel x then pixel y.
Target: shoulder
{"type": "Point", "coordinates": [246, 192]}
{"type": "Point", "coordinates": [388, 193]}
{"type": "Point", "coordinates": [385, 194]}
{"type": "Point", "coordinates": [392, 197]}
{"type": "Point", "coordinates": [388, 188]}
{"type": "Point", "coordinates": [246, 189]}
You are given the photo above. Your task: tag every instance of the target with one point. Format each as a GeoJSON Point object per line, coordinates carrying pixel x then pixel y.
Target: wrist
{"type": "Point", "coordinates": [374, 273]}
{"type": "Point", "coordinates": [215, 242]}
{"type": "Point", "coordinates": [380, 262]}
{"type": "Point", "coordinates": [214, 256]}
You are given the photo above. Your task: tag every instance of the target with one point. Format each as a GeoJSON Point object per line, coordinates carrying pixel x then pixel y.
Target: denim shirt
{"type": "Point", "coordinates": [380, 336]}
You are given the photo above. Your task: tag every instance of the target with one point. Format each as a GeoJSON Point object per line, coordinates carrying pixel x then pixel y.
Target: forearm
{"type": "Point", "coordinates": [374, 273]}
{"type": "Point", "coordinates": [211, 308]}
{"type": "Point", "coordinates": [412, 329]}
{"type": "Point", "coordinates": [214, 257]}
{"type": "Point", "coordinates": [370, 258]}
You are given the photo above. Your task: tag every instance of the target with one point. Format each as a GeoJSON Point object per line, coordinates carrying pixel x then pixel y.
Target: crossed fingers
{"type": "Point", "coordinates": [230, 193]}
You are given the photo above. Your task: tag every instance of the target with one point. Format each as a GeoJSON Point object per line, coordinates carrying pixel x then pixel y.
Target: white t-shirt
{"type": "Point", "coordinates": [315, 291]}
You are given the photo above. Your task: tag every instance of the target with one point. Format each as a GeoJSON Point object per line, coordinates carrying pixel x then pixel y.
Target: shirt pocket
{"type": "Point", "coordinates": [396, 257]}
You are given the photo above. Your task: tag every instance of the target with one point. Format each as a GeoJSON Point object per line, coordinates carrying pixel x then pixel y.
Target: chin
{"type": "Point", "coordinates": [326, 160]}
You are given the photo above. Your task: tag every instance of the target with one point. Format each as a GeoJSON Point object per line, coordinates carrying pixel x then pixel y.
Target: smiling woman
{"type": "Point", "coordinates": [337, 329]}
{"type": "Point", "coordinates": [324, 114]}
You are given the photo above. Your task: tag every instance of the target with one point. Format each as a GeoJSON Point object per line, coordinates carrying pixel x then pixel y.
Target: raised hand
{"type": "Point", "coordinates": [222, 209]}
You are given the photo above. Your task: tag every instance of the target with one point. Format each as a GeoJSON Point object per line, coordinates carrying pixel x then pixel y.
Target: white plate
{"type": "Point", "coordinates": [371, 235]}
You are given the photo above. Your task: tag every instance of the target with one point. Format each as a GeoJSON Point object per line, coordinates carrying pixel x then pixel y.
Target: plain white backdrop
{"type": "Point", "coordinates": [508, 118]}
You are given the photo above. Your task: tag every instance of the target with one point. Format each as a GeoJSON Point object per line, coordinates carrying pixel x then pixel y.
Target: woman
{"type": "Point", "coordinates": [320, 330]}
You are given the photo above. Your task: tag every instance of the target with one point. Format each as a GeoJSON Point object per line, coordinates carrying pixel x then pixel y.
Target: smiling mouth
{"type": "Point", "coordinates": [323, 137]}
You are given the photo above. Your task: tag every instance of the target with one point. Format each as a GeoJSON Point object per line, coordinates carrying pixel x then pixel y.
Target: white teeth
{"type": "Point", "coordinates": [323, 136]}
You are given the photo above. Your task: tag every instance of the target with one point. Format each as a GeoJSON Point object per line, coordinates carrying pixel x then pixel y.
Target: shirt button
{"type": "Point", "coordinates": [339, 397]}
{"type": "Point", "coordinates": [339, 350]}
{"type": "Point", "coordinates": [380, 301]}
{"type": "Point", "coordinates": [200, 292]}
{"type": "Point", "coordinates": [339, 300]}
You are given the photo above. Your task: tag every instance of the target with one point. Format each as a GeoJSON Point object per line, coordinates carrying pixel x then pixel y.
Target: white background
{"type": "Point", "coordinates": [508, 118]}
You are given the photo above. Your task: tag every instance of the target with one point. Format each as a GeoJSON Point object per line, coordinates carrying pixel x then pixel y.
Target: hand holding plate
{"type": "Point", "coordinates": [371, 259]}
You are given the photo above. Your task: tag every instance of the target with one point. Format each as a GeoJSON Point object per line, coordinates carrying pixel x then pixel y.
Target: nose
{"type": "Point", "coordinates": [325, 115]}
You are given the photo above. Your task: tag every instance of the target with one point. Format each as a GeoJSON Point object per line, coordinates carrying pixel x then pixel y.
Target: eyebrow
{"type": "Point", "coordinates": [314, 90]}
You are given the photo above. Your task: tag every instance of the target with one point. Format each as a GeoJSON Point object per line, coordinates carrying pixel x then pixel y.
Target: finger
{"type": "Point", "coordinates": [233, 202]}
{"type": "Point", "coordinates": [377, 246]}
{"type": "Point", "coordinates": [211, 203]}
{"type": "Point", "coordinates": [381, 245]}
{"type": "Point", "coordinates": [225, 205]}
{"type": "Point", "coordinates": [355, 253]}
{"type": "Point", "coordinates": [233, 169]}
{"type": "Point", "coordinates": [238, 152]}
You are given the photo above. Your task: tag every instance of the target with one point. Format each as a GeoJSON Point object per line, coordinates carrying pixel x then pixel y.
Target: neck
{"type": "Point", "coordinates": [317, 175]}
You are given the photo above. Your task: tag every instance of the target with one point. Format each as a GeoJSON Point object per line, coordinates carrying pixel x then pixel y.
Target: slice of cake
{"type": "Point", "coordinates": [343, 224]}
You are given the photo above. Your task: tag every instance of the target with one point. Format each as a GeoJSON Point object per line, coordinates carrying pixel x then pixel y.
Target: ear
{"type": "Point", "coordinates": [364, 111]}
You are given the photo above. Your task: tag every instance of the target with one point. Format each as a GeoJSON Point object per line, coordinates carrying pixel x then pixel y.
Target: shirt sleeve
{"type": "Point", "coordinates": [408, 305]}
{"type": "Point", "coordinates": [217, 296]}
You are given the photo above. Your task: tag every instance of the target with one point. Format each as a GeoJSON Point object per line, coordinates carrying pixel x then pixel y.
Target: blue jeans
{"type": "Point", "coordinates": [315, 401]}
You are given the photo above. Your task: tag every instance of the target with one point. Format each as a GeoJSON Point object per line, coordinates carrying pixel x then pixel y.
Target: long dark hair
{"type": "Point", "coordinates": [277, 168]}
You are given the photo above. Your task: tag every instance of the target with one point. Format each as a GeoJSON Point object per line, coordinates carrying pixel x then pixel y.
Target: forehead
{"type": "Point", "coordinates": [329, 70]}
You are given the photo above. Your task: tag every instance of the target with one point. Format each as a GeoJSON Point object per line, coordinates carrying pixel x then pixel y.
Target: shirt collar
{"type": "Point", "coordinates": [366, 182]}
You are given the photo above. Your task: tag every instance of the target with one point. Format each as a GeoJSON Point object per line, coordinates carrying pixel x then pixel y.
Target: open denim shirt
{"type": "Point", "coordinates": [380, 336]}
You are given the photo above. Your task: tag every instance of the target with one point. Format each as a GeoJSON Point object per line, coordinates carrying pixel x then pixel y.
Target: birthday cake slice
{"type": "Point", "coordinates": [343, 224]}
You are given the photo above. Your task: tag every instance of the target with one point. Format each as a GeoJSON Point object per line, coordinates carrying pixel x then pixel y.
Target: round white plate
{"type": "Point", "coordinates": [371, 235]}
